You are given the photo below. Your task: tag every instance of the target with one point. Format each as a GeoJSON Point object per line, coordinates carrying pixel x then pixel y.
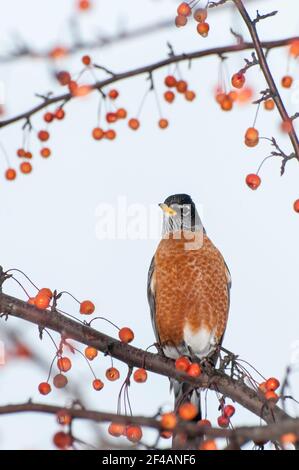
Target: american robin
{"type": "Point", "coordinates": [188, 290]}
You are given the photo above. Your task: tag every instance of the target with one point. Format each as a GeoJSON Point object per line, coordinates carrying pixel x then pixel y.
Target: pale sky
{"type": "Point", "coordinates": [49, 218]}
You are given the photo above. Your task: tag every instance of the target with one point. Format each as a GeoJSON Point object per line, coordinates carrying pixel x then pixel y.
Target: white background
{"type": "Point", "coordinates": [48, 221]}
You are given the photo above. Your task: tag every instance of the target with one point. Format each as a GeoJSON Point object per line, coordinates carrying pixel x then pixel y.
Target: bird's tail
{"type": "Point", "coordinates": [185, 393]}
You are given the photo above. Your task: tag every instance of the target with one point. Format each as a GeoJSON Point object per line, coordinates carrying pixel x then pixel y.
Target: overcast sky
{"type": "Point", "coordinates": [49, 219]}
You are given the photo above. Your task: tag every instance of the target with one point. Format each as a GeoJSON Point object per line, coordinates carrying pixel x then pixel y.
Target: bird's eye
{"type": "Point", "coordinates": [186, 211]}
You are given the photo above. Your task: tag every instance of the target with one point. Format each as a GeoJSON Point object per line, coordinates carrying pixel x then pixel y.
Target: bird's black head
{"type": "Point", "coordinates": [180, 214]}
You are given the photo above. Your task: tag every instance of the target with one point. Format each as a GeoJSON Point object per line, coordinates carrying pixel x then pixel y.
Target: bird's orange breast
{"type": "Point", "coordinates": [191, 288]}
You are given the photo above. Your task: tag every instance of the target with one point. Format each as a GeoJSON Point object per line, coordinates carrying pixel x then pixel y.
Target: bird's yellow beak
{"type": "Point", "coordinates": [168, 210]}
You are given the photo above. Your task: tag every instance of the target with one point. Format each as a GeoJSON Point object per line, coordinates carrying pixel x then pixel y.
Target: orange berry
{"type": "Point", "coordinates": [168, 421]}
{"type": "Point", "coordinates": [180, 21]}
{"type": "Point", "coordinates": [223, 421]}
{"type": "Point", "coordinates": [48, 117]}
{"type": "Point", "coordinates": [25, 168]}
{"type": "Point", "coordinates": [203, 29]}
{"type": "Point", "coordinates": [110, 134]}
{"type": "Point", "coordinates": [187, 411]}
{"type": "Point", "coordinates": [294, 48]}
{"type": "Point", "coordinates": [233, 95]}
{"type": "Point", "coordinates": [43, 136]}
{"type": "Point", "coordinates": [204, 422]}
{"type": "Point", "coordinates": [98, 133]}
{"type": "Point", "coordinates": [251, 137]}
{"type": "Point", "coordinates": [208, 444]}
{"type": "Point", "coordinates": [63, 417]}
{"type": "Point", "coordinates": [253, 181]}
{"type": "Point", "coordinates": [134, 433]}
{"type": "Point", "coordinates": [287, 126]}
{"type": "Point", "coordinates": [184, 9]}
{"type": "Point", "coordinates": [182, 364]}
{"type": "Point", "coordinates": [272, 384]}
{"type": "Point", "coordinates": [58, 52]}
{"type": "Point", "coordinates": [170, 81]}
{"type": "Point", "coordinates": [111, 117]}
{"type": "Point", "coordinates": [121, 113]}
{"type": "Point", "coordinates": [90, 353]}
{"type": "Point", "coordinates": [42, 301]}
{"type": "Point", "coordinates": [21, 152]}
{"type": "Point", "coordinates": [97, 384]}
{"type": "Point", "coordinates": [140, 376]}
{"type": "Point", "coordinates": [262, 387]}
{"type": "Point", "coordinates": [296, 206]}
{"type": "Point", "coordinates": [87, 307]}
{"type": "Point", "coordinates": [64, 364]}
{"type": "Point", "coordinates": [270, 395]}
{"type": "Point", "coordinates": [190, 95]}
{"type": "Point", "coordinates": [134, 124]}
{"type": "Point", "coordinates": [238, 80]}
{"type": "Point", "coordinates": [10, 174]}
{"type": "Point", "coordinates": [288, 438]}
{"type": "Point", "coordinates": [63, 77]}
{"type": "Point", "coordinates": [60, 381]}
{"type": "Point", "coordinates": [126, 335]}
{"type": "Point", "coordinates": [229, 411]}
{"type": "Point", "coordinates": [287, 81]}
{"type": "Point", "coordinates": [84, 5]}
{"type": "Point", "coordinates": [31, 301]}
{"type": "Point", "coordinates": [44, 388]}
{"type": "Point", "coordinates": [169, 96]}
{"type": "Point", "coordinates": [73, 86]}
{"type": "Point", "coordinates": [116, 429]}
{"type": "Point", "coordinates": [86, 60]}
{"type": "Point", "coordinates": [226, 103]}
{"type": "Point", "coordinates": [163, 123]}
{"type": "Point", "coordinates": [46, 291]}
{"type": "Point", "coordinates": [62, 440]}
{"type": "Point", "coordinates": [200, 15]}
{"type": "Point", "coordinates": [59, 114]}
{"type": "Point", "coordinates": [194, 370]}
{"type": "Point", "coordinates": [28, 155]}
{"type": "Point", "coordinates": [45, 152]}
{"type": "Point", "coordinates": [113, 94]}
{"type": "Point", "coordinates": [269, 104]}
{"type": "Point", "coordinates": [181, 86]}
{"type": "Point", "coordinates": [112, 374]}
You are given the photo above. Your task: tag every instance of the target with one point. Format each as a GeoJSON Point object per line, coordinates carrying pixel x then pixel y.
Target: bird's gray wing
{"type": "Point", "coordinates": [151, 296]}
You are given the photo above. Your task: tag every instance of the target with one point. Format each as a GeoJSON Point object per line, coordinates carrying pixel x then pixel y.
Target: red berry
{"type": "Point", "coordinates": [21, 152]}
{"type": "Point", "coordinates": [126, 335]}
{"type": "Point", "coordinates": [194, 370]}
{"type": "Point", "coordinates": [84, 5]}
{"type": "Point", "coordinates": [87, 307]}
{"type": "Point", "coordinates": [90, 353]}
{"type": "Point", "coordinates": [134, 124]}
{"type": "Point", "coordinates": [10, 174]}
{"type": "Point", "coordinates": [229, 411]}
{"type": "Point", "coordinates": [111, 117]}
{"type": "Point", "coordinates": [59, 114]}
{"type": "Point", "coordinates": [182, 364]}
{"type": "Point", "coordinates": [170, 81]}
{"type": "Point", "coordinates": [180, 21]}
{"type": "Point", "coordinates": [272, 384]}
{"type": "Point", "coordinates": [45, 152]}
{"type": "Point", "coordinates": [121, 113]}
{"type": "Point", "coordinates": [97, 384]}
{"type": "Point", "coordinates": [98, 133]}
{"type": "Point", "coordinates": [253, 181]}
{"type": "Point", "coordinates": [112, 374]}
{"type": "Point", "coordinates": [238, 80]}
{"type": "Point", "coordinates": [86, 60]}
{"type": "Point", "coordinates": [296, 206]}
{"type": "Point", "coordinates": [60, 381]}
{"type": "Point", "coordinates": [46, 291]}
{"type": "Point", "coordinates": [271, 396]}
{"type": "Point", "coordinates": [251, 137]}
{"type": "Point", "coordinates": [63, 77]}
{"type": "Point", "coordinates": [43, 136]}
{"type": "Point", "coordinates": [110, 134]}
{"type": "Point", "coordinates": [200, 15]}
{"type": "Point", "coordinates": [184, 9]}
{"type": "Point", "coordinates": [269, 104]}
{"type": "Point", "coordinates": [169, 96]}
{"type": "Point", "coordinates": [42, 301]}
{"type": "Point", "coordinates": [190, 95]}
{"type": "Point", "coordinates": [163, 123]}
{"type": "Point", "coordinates": [25, 168]}
{"type": "Point", "coordinates": [62, 440]}
{"type": "Point", "coordinates": [48, 117]}
{"type": "Point", "coordinates": [223, 421]}
{"type": "Point", "coordinates": [140, 376]}
{"type": "Point", "coordinates": [204, 422]}
{"type": "Point", "coordinates": [203, 29]}
{"type": "Point", "coordinates": [181, 86]}
{"type": "Point", "coordinates": [187, 411]}
{"type": "Point", "coordinates": [168, 421]}
{"type": "Point", "coordinates": [44, 388]}
{"type": "Point", "coordinates": [134, 433]}
{"type": "Point", "coordinates": [113, 94]}
{"type": "Point", "coordinates": [116, 429]}
{"type": "Point", "coordinates": [287, 81]}
{"type": "Point", "coordinates": [64, 364]}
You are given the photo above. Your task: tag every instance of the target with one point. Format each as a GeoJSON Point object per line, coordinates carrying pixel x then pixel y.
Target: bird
{"type": "Point", "coordinates": [188, 291]}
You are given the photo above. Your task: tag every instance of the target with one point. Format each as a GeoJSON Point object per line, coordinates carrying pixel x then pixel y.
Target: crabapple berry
{"type": "Point", "coordinates": [42, 301]}
{"type": "Point", "coordinates": [112, 374]}
{"type": "Point", "coordinates": [294, 48]}
{"type": "Point", "coordinates": [182, 364]}
{"type": "Point", "coordinates": [200, 15]}
{"type": "Point", "coordinates": [140, 376]}
{"type": "Point", "coordinates": [168, 421]}
{"type": "Point", "coordinates": [113, 94]}
{"type": "Point", "coordinates": [187, 411]}
{"type": "Point", "coordinates": [64, 364]}
{"type": "Point", "coordinates": [203, 29]}
{"type": "Point", "coordinates": [87, 307]}
{"type": "Point", "coordinates": [194, 370]}
{"type": "Point", "coordinates": [84, 5]}
{"type": "Point", "coordinates": [48, 117]}
{"type": "Point", "coordinates": [44, 388]}
{"type": "Point", "coordinates": [287, 81]}
{"type": "Point", "coordinates": [25, 168]}
{"type": "Point", "coordinates": [126, 335]}
{"type": "Point", "coordinates": [62, 440]}
{"type": "Point", "coordinates": [63, 77]}
{"type": "Point", "coordinates": [253, 181]}
{"type": "Point", "coordinates": [169, 96]}
{"type": "Point", "coordinates": [90, 353]}
{"type": "Point", "coordinates": [296, 206]}
{"type": "Point", "coordinates": [184, 9]}
{"type": "Point", "coordinates": [10, 174]}
{"type": "Point", "coordinates": [116, 429]}
{"type": "Point", "coordinates": [110, 134]}
{"type": "Point", "coordinates": [223, 421]}
{"type": "Point", "coordinates": [238, 80]}
{"type": "Point", "coordinates": [181, 86]}
{"type": "Point", "coordinates": [170, 81]}
{"type": "Point", "coordinates": [272, 384]}
{"type": "Point", "coordinates": [229, 411]}
{"type": "Point", "coordinates": [121, 113]}
{"type": "Point", "coordinates": [60, 381]}
{"type": "Point", "coordinates": [98, 133]}
{"type": "Point", "coordinates": [134, 433]}
{"type": "Point", "coordinates": [45, 152]}
{"type": "Point", "coordinates": [111, 117]}
{"type": "Point", "coordinates": [97, 384]}
{"type": "Point", "coordinates": [269, 104]}
{"type": "Point", "coordinates": [270, 395]}
{"type": "Point", "coordinates": [251, 137]}
{"type": "Point", "coordinates": [134, 124]}
{"type": "Point", "coordinates": [59, 114]}
{"type": "Point", "coordinates": [163, 123]}
{"type": "Point", "coordinates": [226, 103]}
{"type": "Point", "coordinates": [180, 21]}
{"type": "Point", "coordinates": [190, 95]}
{"type": "Point", "coordinates": [46, 291]}
{"type": "Point", "coordinates": [86, 60]}
{"type": "Point", "coordinates": [21, 152]}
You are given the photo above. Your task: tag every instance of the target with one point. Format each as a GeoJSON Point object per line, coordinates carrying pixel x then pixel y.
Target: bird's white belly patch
{"type": "Point", "coordinates": [202, 341]}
